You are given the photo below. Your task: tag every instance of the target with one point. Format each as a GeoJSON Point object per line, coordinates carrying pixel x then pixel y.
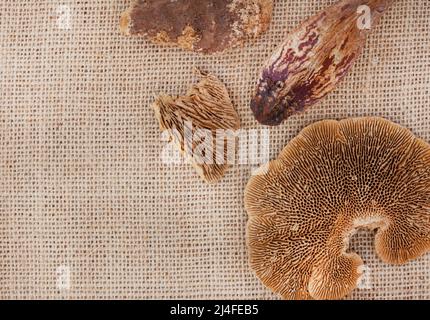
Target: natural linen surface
{"type": "Point", "coordinates": [87, 207]}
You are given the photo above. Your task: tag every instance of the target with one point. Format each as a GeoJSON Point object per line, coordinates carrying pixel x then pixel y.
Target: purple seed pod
{"type": "Point", "coordinates": [314, 58]}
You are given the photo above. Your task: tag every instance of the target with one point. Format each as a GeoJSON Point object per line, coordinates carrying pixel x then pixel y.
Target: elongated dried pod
{"type": "Point", "coordinates": [314, 58]}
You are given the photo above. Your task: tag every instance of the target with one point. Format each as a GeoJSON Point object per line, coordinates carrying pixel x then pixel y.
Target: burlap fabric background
{"type": "Point", "coordinates": [82, 183]}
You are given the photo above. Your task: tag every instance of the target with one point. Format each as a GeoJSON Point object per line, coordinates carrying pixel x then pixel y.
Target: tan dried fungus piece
{"type": "Point", "coordinates": [207, 105]}
{"type": "Point", "coordinates": [204, 26]}
{"type": "Point", "coordinates": [335, 177]}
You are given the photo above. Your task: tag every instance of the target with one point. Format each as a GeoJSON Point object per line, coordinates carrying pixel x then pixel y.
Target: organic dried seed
{"type": "Point", "coordinates": [314, 58]}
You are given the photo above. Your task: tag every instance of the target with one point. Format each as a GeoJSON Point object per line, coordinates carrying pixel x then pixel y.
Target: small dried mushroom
{"type": "Point", "coordinates": [333, 178]}
{"type": "Point", "coordinates": [314, 58]}
{"type": "Point", "coordinates": [206, 106]}
{"type": "Point", "coordinates": [206, 26]}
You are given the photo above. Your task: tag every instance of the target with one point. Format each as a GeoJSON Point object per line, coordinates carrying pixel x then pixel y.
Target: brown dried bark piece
{"type": "Point", "coordinates": [333, 178]}
{"type": "Point", "coordinates": [207, 26]}
{"type": "Point", "coordinates": [206, 106]}
{"type": "Point", "coordinates": [314, 58]}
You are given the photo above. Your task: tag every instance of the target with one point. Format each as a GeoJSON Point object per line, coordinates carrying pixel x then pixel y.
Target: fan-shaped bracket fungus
{"type": "Point", "coordinates": [335, 177]}
{"type": "Point", "coordinates": [194, 123]}
{"type": "Point", "coordinates": [204, 26]}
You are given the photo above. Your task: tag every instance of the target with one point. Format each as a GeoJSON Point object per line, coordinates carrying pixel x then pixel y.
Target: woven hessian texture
{"type": "Point", "coordinates": [83, 186]}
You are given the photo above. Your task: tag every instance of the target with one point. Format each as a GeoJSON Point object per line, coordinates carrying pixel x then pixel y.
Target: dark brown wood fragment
{"type": "Point", "coordinates": [206, 26]}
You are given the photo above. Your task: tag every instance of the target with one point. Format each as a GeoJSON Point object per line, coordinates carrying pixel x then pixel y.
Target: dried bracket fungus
{"type": "Point", "coordinates": [207, 26]}
{"type": "Point", "coordinates": [314, 58]}
{"type": "Point", "coordinates": [333, 178]}
{"type": "Point", "coordinates": [206, 106]}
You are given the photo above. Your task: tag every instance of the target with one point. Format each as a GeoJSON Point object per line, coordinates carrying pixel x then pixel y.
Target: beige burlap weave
{"type": "Point", "coordinates": [84, 195]}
